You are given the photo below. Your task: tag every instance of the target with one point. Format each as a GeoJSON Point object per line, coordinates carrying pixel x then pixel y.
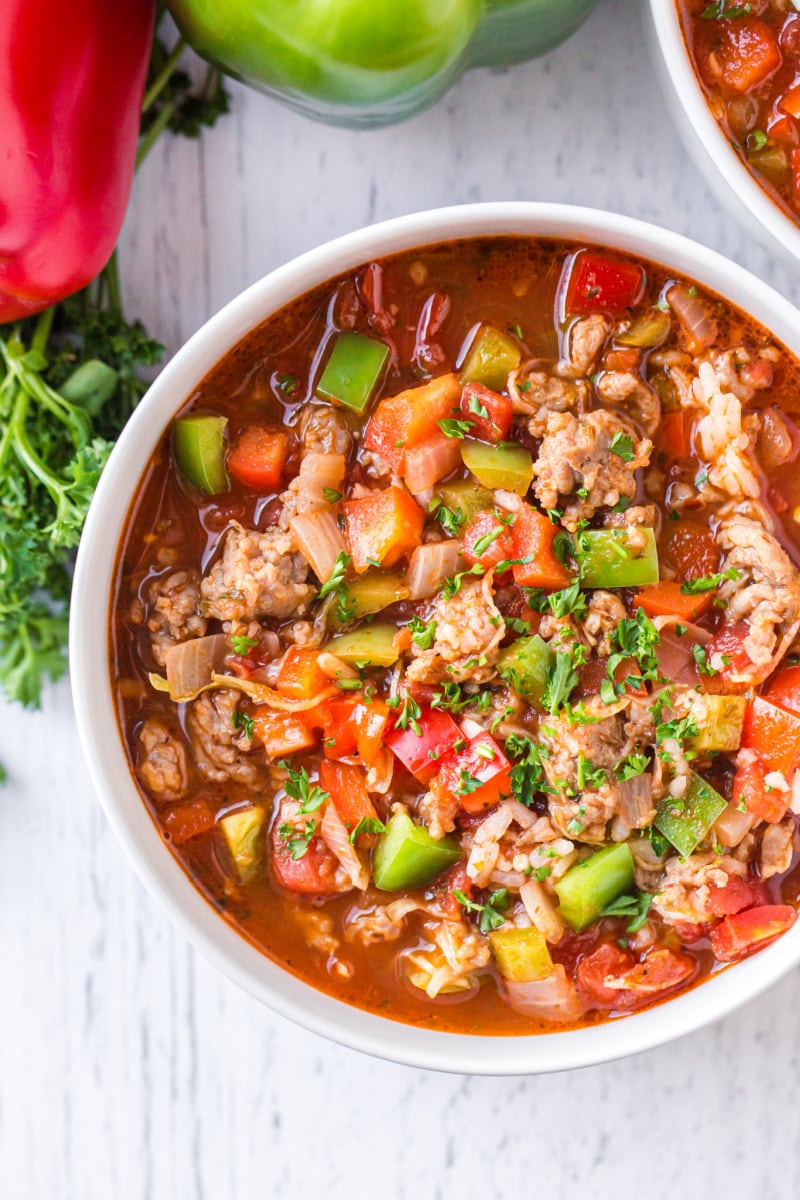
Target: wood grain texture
{"type": "Point", "coordinates": [129, 1069]}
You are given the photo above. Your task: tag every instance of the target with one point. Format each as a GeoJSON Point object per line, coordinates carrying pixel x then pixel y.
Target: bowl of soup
{"type": "Point", "coordinates": [434, 638]}
{"type": "Point", "coordinates": [731, 73]}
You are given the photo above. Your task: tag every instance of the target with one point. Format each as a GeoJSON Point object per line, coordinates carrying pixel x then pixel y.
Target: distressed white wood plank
{"type": "Point", "coordinates": [128, 1067]}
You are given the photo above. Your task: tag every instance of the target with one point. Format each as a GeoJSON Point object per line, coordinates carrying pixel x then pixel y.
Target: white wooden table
{"type": "Point", "coordinates": [129, 1069]}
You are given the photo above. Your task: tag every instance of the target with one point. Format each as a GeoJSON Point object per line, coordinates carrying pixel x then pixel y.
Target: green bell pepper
{"type": "Point", "coordinates": [362, 597]}
{"type": "Point", "coordinates": [243, 831]}
{"type": "Point", "coordinates": [366, 64]}
{"type": "Point", "coordinates": [686, 822]}
{"type": "Point", "coordinates": [521, 955]}
{"type": "Point", "coordinates": [507, 466]}
{"type": "Point", "coordinates": [353, 370]}
{"type": "Point", "coordinates": [371, 645]}
{"type": "Point", "coordinates": [462, 495]}
{"type": "Point", "coordinates": [491, 356]}
{"type": "Point", "coordinates": [199, 445]}
{"type": "Point", "coordinates": [525, 664]}
{"type": "Point", "coordinates": [611, 558]}
{"type": "Point", "coordinates": [406, 855]}
{"type": "Point", "coordinates": [590, 886]}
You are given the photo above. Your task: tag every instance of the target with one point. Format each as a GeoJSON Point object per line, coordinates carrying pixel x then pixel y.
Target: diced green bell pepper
{"type": "Point", "coordinates": [771, 161]}
{"type": "Point", "coordinates": [406, 855]}
{"type": "Point", "coordinates": [524, 665]}
{"type": "Point", "coordinates": [590, 886]}
{"type": "Point", "coordinates": [647, 331]}
{"type": "Point", "coordinates": [521, 955]}
{"type": "Point", "coordinates": [491, 356]}
{"type": "Point", "coordinates": [507, 466]}
{"type": "Point", "coordinates": [612, 558]}
{"type": "Point", "coordinates": [371, 645]}
{"type": "Point", "coordinates": [353, 370]}
{"type": "Point", "coordinates": [199, 445]}
{"type": "Point", "coordinates": [721, 724]}
{"type": "Point", "coordinates": [369, 594]}
{"type": "Point", "coordinates": [686, 822]}
{"type": "Point", "coordinates": [463, 494]}
{"type": "Point", "coordinates": [243, 832]}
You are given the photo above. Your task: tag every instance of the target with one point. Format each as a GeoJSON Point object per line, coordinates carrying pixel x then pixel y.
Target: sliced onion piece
{"type": "Point", "coordinates": [430, 461]}
{"type": "Point", "coordinates": [552, 999]}
{"type": "Point", "coordinates": [335, 836]}
{"type": "Point", "coordinates": [541, 908]}
{"type": "Point", "coordinates": [318, 472]}
{"type": "Point", "coordinates": [191, 665]}
{"type": "Point", "coordinates": [695, 315]}
{"type": "Point", "coordinates": [430, 565]}
{"type": "Point", "coordinates": [319, 539]}
{"type": "Point", "coordinates": [732, 825]}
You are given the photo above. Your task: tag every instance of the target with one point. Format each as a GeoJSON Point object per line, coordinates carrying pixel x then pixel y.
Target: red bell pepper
{"type": "Point", "coordinates": [532, 539]}
{"type": "Point", "coordinates": [490, 412]}
{"type": "Point", "coordinates": [403, 421]}
{"type": "Point", "coordinates": [773, 733]}
{"type": "Point", "coordinates": [188, 821]}
{"type": "Point", "coordinates": [258, 457]}
{"type": "Point", "coordinates": [746, 52]}
{"type": "Point", "coordinates": [421, 753]}
{"type": "Point", "coordinates": [381, 528]}
{"type": "Point", "coordinates": [346, 786]}
{"type": "Point", "coordinates": [747, 931]}
{"type": "Point", "coordinates": [785, 689]}
{"type": "Point", "coordinates": [665, 599]}
{"type": "Point", "coordinates": [300, 677]}
{"type": "Point", "coordinates": [478, 775]}
{"type": "Point", "coordinates": [593, 282]}
{"type": "Point", "coordinates": [750, 789]}
{"type": "Point", "coordinates": [487, 540]}
{"type": "Point", "coordinates": [70, 107]}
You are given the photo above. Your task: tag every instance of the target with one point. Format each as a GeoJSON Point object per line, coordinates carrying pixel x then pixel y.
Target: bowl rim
{"type": "Point", "coordinates": [95, 704]}
{"type": "Point", "coordinates": [708, 136]}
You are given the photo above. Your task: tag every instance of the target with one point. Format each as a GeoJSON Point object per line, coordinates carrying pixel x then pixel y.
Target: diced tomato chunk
{"type": "Point", "coordinates": [382, 528]}
{"type": "Point", "coordinates": [300, 677]}
{"type": "Point", "coordinates": [257, 458]}
{"type": "Point", "coordinates": [598, 283]}
{"type": "Point", "coordinates": [795, 164]}
{"type": "Point", "coordinates": [281, 733]}
{"type": "Point", "coordinates": [421, 753]}
{"type": "Point", "coordinates": [188, 820]}
{"type": "Point", "coordinates": [785, 689]}
{"type": "Point", "coordinates": [623, 358]}
{"type": "Point", "coordinates": [478, 775]}
{"type": "Point", "coordinates": [728, 644]}
{"type": "Point", "coordinates": [350, 725]}
{"type": "Point", "coordinates": [487, 540]}
{"type": "Point", "coordinates": [312, 875]}
{"type": "Point", "coordinates": [490, 412]}
{"type": "Point", "coordinates": [739, 935]}
{"type": "Point", "coordinates": [672, 436]}
{"type": "Point", "coordinates": [746, 52]}
{"type": "Point", "coordinates": [790, 103]}
{"type": "Point", "coordinates": [689, 549]}
{"type": "Point", "coordinates": [750, 788]}
{"type": "Point", "coordinates": [774, 734]}
{"type": "Point", "coordinates": [614, 980]}
{"type": "Point", "coordinates": [347, 788]}
{"type": "Point", "coordinates": [532, 539]}
{"type": "Point", "coordinates": [736, 895]}
{"type": "Point", "coordinates": [410, 417]}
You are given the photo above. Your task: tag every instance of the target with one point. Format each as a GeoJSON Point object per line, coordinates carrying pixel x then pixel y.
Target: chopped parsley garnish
{"type": "Point", "coordinates": [335, 585]}
{"type": "Point", "coordinates": [452, 585]}
{"type": "Point", "coordinates": [422, 633]}
{"type": "Point", "coordinates": [240, 720]}
{"type": "Point", "coordinates": [240, 645]}
{"type": "Point", "coordinates": [622, 445]}
{"type": "Point", "coordinates": [331, 495]}
{"type": "Point", "coordinates": [700, 656]}
{"type": "Point", "coordinates": [298, 842]}
{"type": "Point", "coordinates": [468, 783]}
{"type": "Point", "coordinates": [298, 787]}
{"type": "Point", "coordinates": [491, 912]}
{"type": "Point", "coordinates": [505, 563]}
{"type": "Point", "coordinates": [589, 776]}
{"type": "Point", "coordinates": [483, 543]}
{"type": "Point", "coordinates": [450, 519]}
{"type": "Point", "coordinates": [636, 907]}
{"type": "Point", "coordinates": [474, 405]}
{"type": "Point", "coordinates": [707, 583]}
{"type": "Point", "coordinates": [757, 140]}
{"type": "Point", "coordinates": [453, 428]}
{"type": "Point", "coordinates": [409, 715]}
{"type": "Point", "coordinates": [367, 825]}
{"type": "Point", "coordinates": [719, 10]}
{"type": "Point", "coordinates": [287, 384]}
{"type": "Point", "coordinates": [568, 600]}
{"type": "Point", "coordinates": [517, 625]}
{"type": "Point", "coordinates": [622, 504]}
{"type": "Point", "coordinates": [561, 678]}
{"type": "Point", "coordinates": [631, 767]}
{"type": "Point", "coordinates": [680, 728]}
{"type": "Point", "coordinates": [563, 547]}
{"type": "Point", "coordinates": [527, 774]}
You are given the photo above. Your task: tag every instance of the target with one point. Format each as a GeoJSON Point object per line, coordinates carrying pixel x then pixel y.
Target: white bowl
{"type": "Point", "coordinates": [708, 144]}
{"type": "Point", "coordinates": [92, 681]}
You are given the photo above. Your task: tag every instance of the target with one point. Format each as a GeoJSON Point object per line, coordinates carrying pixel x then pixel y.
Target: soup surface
{"type": "Point", "coordinates": [454, 636]}
{"type": "Point", "coordinates": [747, 57]}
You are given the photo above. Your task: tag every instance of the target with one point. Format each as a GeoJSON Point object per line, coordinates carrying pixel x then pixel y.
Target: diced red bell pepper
{"type": "Point", "coordinates": [490, 412]}
{"type": "Point", "coordinates": [689, 549]}
{"type": "Point", "coordinates": [613, 979]}
{"type": "Point", "coordinates": [312, 875]}
{"type": "Point", "coordinates": [795, 165]}
{"type": "Point", "coordinates": [785, 689]}
{"type": "Point", "coordinates": [750, 789]}
{"type": "Point", "coordinates": [382, 528]}
{"type": "Point", "coordinates": [532, 539]}
{"type": "Point", "coordinates": [482, 762]}
{"type": "Point", "coordinates": [346, 786]}
{"type": "Point", "coordinates": [598, 283]}
{"type": "Point", "coordinates": [728, 643]}
{"type": "Point", "coordinates": [665, 599]}
{"type": "Point", "coordinates": [282, 734]}
{"type": "Point", "coordinates": [300, 677]}
{"type": "Point", "coordinates": [774, 734]}
{"type": "Point", "coordinates": [622, 358]}
{"type": "Point", "coordinates": [351, 726]}
{"type": "Point", "coordinates": [410, 417]}
{"type": "Point", "coordinates": [188, 821]}
{"type": "Point", "coordinates": [741, 934]}
{"type": "Point", "coordinates": [790, 103]}
{"type": "Point", "coordinates": [746, 52]}
{"type": "Point", "coordinates": [735, 896]}
{"type": "Point", "coordinates": [258, 457]}
{"type": "Point", "coordinates": [421, 753]}
{"type": "Point", "coordinates": [486, 525]}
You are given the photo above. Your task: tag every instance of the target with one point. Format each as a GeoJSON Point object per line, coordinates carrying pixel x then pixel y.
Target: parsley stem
{"type": "Point", "coordinates": [162, 78]}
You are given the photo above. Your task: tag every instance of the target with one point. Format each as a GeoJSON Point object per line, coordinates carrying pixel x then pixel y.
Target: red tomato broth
{"type": "Point", "coordinates": [264, 380]}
